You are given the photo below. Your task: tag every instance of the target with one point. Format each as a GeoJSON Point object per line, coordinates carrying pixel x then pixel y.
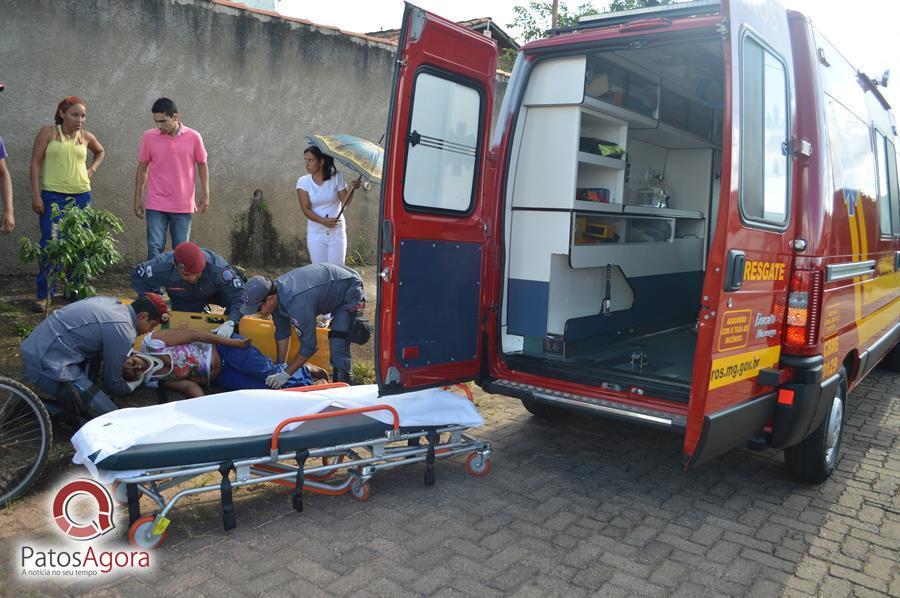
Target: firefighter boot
{"type": "Point", "coordinates": [341, 376]}
{"type": "Point", "coordinates": [92, 402]}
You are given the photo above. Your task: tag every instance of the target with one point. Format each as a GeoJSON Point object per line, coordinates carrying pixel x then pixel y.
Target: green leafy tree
{"type": "Point", "coordinates": [620, 5]}
{"type": "Point", "coordinates": [530, 22]}
{"type": "Point", "coordinates": [82, 247]}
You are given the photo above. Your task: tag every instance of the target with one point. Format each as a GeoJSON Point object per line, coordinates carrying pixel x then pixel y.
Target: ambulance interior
{"type": "Point", "coordinates": [613, 183]}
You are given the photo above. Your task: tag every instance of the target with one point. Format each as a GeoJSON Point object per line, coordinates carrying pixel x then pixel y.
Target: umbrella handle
{"type": "Point", "coordinates": [346, 201]}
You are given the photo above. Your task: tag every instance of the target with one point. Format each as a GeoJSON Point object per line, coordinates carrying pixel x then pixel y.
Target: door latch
{"type": "Point", "coordinates": [734, 270]}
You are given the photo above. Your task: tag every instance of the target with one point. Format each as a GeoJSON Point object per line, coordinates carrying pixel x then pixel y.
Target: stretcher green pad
{"type": "Point", "coordinates": [312, 434]}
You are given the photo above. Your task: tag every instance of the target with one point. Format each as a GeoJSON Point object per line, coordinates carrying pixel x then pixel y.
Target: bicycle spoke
{"type": "Point", "coordinates": [25, 438]}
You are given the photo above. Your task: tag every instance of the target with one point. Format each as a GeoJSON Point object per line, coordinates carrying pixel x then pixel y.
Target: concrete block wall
{"type": "Point", "coordinates": [253, 84]}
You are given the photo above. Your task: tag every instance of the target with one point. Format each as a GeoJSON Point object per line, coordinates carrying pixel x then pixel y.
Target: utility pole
{"type": "Point", "coordinates": [555, 15]}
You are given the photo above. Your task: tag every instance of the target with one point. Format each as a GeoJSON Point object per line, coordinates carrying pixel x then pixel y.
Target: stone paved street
{"type": "Point", "coordinates": [572, 508]}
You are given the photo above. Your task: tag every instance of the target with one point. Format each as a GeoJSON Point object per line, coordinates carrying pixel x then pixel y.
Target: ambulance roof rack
{"type": "Point", "coordinates": [668, 11]}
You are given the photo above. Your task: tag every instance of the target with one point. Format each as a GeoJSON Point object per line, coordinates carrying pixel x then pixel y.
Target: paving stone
{"type": "Point", "coordinates": [669, 574]}
{"type": "Point", "coordinates": [836, 588]}
{"type": "Point", "coordinates": [858, 578]}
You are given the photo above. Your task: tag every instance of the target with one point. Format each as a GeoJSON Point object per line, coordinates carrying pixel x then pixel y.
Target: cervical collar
{"type": "Point", "coordinates": [154, 364]}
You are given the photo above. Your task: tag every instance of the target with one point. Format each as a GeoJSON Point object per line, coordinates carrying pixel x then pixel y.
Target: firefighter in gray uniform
{"type": "Point", "coordinates": [61, 350]}
{"type": "Point", "coordinates": [296, 298]}
{"type": "Point", "coordinates": [193, 278]}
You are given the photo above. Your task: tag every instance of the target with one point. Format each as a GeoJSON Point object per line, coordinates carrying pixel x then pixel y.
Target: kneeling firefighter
{"type": "Point", "coordinates": [59, 353]}
{"type": "Point", "coordinates": [295, 299]}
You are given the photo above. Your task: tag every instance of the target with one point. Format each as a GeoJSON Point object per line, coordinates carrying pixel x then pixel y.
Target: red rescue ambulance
{"type": "Point", "coordinates": [687, 216]}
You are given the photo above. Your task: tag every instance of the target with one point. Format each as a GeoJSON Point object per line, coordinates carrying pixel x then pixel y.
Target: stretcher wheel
{"type": "Point", "coordinates": [139, 534]}
{"type": "Point", "coordinates": [325, 476]}
{"type": "Point", "coordinates": [119, 492]}
{"type": "Point", "coordinates": [478, 465]}
{"type": "Point", "coordinates": [360, 492]}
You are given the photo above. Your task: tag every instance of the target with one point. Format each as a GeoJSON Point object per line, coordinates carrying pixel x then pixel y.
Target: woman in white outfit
{"type": "Point", "coordinates": [322, 193]}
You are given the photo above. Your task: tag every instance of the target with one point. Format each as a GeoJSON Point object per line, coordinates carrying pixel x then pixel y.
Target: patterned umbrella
{"type": "Point", "coordinates": [359, 155]}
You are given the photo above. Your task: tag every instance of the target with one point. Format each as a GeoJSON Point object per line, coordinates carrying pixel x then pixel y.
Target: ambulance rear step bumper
{"type": "Point", "coordinates": [584, 404]}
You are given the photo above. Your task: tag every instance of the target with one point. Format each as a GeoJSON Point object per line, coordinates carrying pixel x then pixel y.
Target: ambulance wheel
{"type": "Point", "coordinates": [816, 456]}
{"type": "Point", "coordinates": [541, 410]}
{"type": "Point", "coordinates": [140, 533]}
{"type": "Point", "coordinates": [478, 465]}
{"type": "Point", "coordinates": [360, 492]}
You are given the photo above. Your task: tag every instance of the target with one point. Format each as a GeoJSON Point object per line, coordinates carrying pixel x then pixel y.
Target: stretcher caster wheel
{"type": "Point", "coordinates": [360, 492]}
{"type": "Point", "coordinates": [478, 465]}
{"type": "Point", "coordinates": [119, 492]}
{"type": "Point", "coordinates": [141, 533]}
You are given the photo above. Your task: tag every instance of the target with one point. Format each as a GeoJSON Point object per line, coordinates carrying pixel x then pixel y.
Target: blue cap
{"type": "Point", "coordinates": [255, 292]}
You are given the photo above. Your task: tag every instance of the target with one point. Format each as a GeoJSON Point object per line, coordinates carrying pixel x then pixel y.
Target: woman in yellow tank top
{"type": "Point", "coordinates": [59, 171]}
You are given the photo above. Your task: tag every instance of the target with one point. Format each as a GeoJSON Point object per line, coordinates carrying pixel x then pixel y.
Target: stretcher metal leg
{"type": "Point", "coordinates": [429, 460]}
{"type": "Point", "coordinates": [134, 506]}
{"type": "Point", "coordinates": [297, 500]}
{"type": "Point", "coordinates": [229, 521]}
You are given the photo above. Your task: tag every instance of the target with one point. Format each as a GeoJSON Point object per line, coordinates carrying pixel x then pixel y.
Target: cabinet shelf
{"type": "Point", "coordinates": [588, 158]}
{"type": "Point", "coordinates": [663, 212]}
{"type": "Point", "coordinates": [596, 206]}
{"type": "Point", "coordinates": [641, 259]}
{"type": "Point", "coordinates": [632, 118]}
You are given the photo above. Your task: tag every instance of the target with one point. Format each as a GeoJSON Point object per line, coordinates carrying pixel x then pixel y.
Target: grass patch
{"type": "Point", "coordinates": [17, 318]}
{"type": "Point", "coordinates": [363, 373]}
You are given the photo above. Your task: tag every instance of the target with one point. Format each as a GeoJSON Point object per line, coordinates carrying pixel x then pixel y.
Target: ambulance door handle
{"type": "Point", "coordinates": [734, 270]}
{"type": "Point", "coordinates": [387, 237]}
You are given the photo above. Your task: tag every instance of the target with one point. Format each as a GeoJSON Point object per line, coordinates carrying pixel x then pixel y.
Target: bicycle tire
{"type": "Point", "coordinates": [24, 423]}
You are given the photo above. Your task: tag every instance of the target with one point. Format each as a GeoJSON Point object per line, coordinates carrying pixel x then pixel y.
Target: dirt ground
{"type": "Point", "coordinates": [17, 321]}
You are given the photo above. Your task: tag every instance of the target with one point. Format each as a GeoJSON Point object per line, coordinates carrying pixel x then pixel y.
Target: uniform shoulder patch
{"type": "Point", "coordinates": [145, 271]}
{"type": "Point", "coordinates": [227, 275]}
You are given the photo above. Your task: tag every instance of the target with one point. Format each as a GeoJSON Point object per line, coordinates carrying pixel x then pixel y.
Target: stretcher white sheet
{"type": "Point", "coordinates": [243, 413]}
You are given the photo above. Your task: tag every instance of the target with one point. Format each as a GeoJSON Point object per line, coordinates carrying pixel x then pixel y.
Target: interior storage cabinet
{"type": "Point", "coordinates": [554, 172]}
{"type": "Point", "coordinates": [592, 229]}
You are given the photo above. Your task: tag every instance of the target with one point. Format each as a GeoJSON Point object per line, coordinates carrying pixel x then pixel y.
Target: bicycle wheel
{"type": "Point", "coordinates": [25, 439]}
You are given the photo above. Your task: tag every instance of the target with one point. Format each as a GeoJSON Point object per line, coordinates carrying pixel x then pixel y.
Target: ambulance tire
{"type": "Point", "coordinates": [814, 459]}
{"type": "Point", "coordinates": [541, 410]}
{"type": "Point", "coordinates": [891, 361]}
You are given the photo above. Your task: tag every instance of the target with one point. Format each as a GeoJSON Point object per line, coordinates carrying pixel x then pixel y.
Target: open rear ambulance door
{"type": "Point", "coordinates": [433, 227]}
{"type": "Point", "coordinates": [745, 288]}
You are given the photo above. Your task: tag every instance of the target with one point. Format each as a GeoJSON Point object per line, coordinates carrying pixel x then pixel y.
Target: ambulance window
{"type": "Point", "coordinates": [884, 178]}
{"type": "Point", "coordinates": [764, 133]}
{"type": "Point", "coordinates": [892, 185]}
{"type": "Point", "coordinates": [853, 163]}
{"type": "Point", "coordinates": [441, 145]}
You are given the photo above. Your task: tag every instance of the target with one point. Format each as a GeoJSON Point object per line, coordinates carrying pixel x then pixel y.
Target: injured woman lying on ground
{"type": "Point", "coordinates": [189, 361]}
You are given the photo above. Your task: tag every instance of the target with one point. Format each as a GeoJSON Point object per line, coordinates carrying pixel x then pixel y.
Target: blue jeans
{"type": "Point", "coordinates": [52, 198]}
{"type": "Point", "coordinates": [249, 368]}
{"type": "Point", "coordinates": [179, 226]}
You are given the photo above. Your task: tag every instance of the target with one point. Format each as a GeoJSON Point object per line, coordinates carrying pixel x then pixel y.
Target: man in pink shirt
{"type": "Point", "coordinates": [170, 156]}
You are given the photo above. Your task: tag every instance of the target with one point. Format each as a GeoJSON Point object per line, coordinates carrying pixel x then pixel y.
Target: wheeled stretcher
{"type": "Point", "coordinates": [341, 437]}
